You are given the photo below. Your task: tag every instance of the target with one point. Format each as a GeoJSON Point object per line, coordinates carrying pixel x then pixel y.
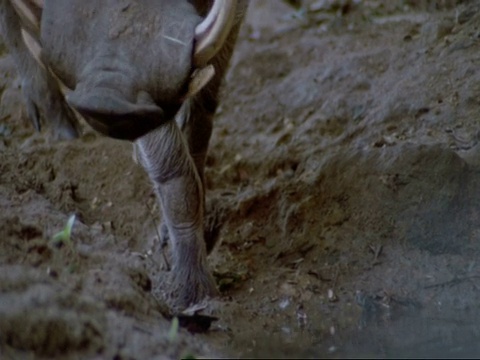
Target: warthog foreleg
{"type": "Point", "coordinates": [197, 131]}
{"type": "Point", "coordinates": [165, 155]}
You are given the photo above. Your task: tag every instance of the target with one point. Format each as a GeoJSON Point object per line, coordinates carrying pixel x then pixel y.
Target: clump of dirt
{"type": "Point", "coordinates": [343, 185]}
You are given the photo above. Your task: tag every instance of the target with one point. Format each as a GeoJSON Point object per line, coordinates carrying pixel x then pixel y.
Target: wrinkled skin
{"type": "Point", "coordinates": [128, 65]}
{"type": "Point", "coordinates": [120, 91]}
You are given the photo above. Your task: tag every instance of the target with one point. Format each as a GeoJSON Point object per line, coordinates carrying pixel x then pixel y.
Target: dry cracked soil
{"type": "Point", "coordinates": [343, 183]}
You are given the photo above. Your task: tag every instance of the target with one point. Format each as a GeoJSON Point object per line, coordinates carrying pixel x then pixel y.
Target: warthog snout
{"type": "Point", "coordinates": [111, 113]}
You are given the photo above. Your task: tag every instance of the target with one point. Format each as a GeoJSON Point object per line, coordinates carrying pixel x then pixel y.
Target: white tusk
{"type": "Point", "coordinates": [38, 3]}
{"type": "Point", "coordinates": [212, 32]}
{"type": "Point", "coordinates": [30, 12]}
{"type": "Point", "coordinates": [35, 49]}
{"type": "Point", "coordinates": [32, 45]}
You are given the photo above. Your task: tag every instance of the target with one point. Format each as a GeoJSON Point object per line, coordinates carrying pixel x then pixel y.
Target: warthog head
{"type": "Point", "coordinates": [127, 68]}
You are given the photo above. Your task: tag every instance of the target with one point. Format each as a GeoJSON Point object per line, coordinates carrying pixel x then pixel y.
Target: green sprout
{"type": "Point", "coordinates": [173, 332]}
{"type": "Point", "coordinates": [64, 237]}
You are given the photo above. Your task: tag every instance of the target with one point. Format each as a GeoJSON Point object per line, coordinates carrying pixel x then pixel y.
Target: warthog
{"type": "Point", "coordinates": [147, 71]}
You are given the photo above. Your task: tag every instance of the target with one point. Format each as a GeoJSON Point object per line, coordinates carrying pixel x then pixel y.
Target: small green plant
{"type": "Point", "coordinates": [64, 237]}
{"type": "Point", "coordinates": [173, 332]}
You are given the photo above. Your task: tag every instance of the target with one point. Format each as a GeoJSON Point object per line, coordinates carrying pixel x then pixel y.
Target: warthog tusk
{"type": "Point", "coordinates": [30, 11]}
{"type": "Point", "coordinates": [32, 45]}
{"type": "Point", "coordinates": [212, 32]}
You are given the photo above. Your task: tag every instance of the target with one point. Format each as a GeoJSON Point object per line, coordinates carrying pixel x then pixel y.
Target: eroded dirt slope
{"type": "Point", "coordinates": [343, 171]}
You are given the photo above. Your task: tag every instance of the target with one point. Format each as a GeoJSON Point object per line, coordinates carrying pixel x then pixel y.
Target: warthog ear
{"type": "Point", "coordinates": [110, 113]}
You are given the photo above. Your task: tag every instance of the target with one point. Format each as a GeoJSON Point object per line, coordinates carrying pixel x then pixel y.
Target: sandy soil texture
{"type": "Point", "coordinates": [343, 181]}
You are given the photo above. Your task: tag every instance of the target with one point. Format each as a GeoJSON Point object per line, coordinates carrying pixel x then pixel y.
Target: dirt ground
{"type": "Point", "coordinates": [343, 176]}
